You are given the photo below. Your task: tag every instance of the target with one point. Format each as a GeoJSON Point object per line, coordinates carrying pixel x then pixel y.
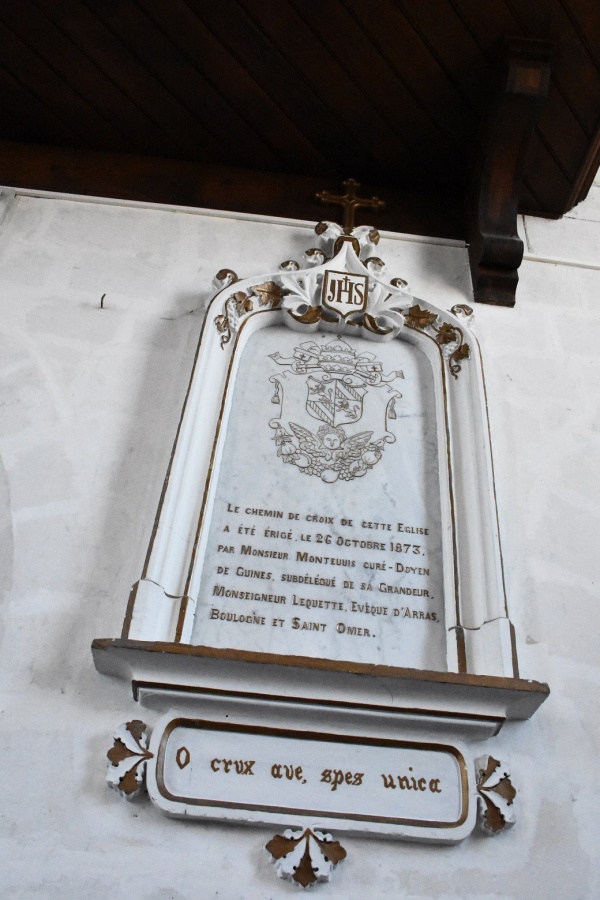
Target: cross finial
{"type": "Point", "coordinates": [350, 202]}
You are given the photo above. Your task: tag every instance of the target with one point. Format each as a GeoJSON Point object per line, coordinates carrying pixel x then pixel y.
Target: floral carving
{"type": "Point", "coordinates": [243, 303]}
{"type": "Point", "coordinates": [307, 298]}
{"type": "Point", "coordinates": [269, 294]}
{"type": "Point", "coordinates": [496, 794]}
{"type": "Point", "coordinates": [419, 318]}
{"type": "Point", "coordinates": [463, 351]}
{"type": "Point", "coordinates": [236, 306]}
{"type": "Point", "coordinates": [223, 326]}
{"type": "Point", "coordinates": [449, 337]}
{"type": "Point", "coordinates": [240, 304]}
{"type": "Point", "coordinates": [350, 457]}
{"type": "Point", "coordinates": [382, 317]}
{"type": "Point", "coordinates": [305, 857]}
{"type": "Point", "coordinates": [446, 334]}
{"type": "Point", "coordinates": [127, 758]}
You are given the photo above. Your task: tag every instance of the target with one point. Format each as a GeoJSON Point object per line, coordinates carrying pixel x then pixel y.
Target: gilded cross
{"type": "Point", "coordinates": [350, 202]}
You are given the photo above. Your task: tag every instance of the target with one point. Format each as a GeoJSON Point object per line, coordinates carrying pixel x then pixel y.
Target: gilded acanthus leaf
{"type": "Point", "coordinates": [118, 752]}
{"type": "Point", "coordinates": [492, 765]}
{"type": "Point", "coordinates": [462, 352]}
{"type": "Point", "coordinates": [128, 783]}
{"type": "Point", "coordinates": [419, 318]}
{"type": "Point", "coordinates": [305, 873]}
{"type": "Point", "coordinates": [223, 326]}
{"type": "Point", "coordinates": [371, 324]}
{"type": "Point", "coordinates": [505, 789]}
{"type": "Point", "coordinates": [305, 857]}
{"type": "Point", "coordinates": [493, 820]}
{"type": "Point", "coordinates": [446, 334]}
{"type": "Point", "coordinates": [496, 795]}
{"type": "Point", "coordinates": [310, 317]}
{"type": "Point", "coordinates": [243, 303]}
{"type": "Point", "coordinates": [268, 293]}
{"type": "Point", "coordinates": [280, 846]}
{"type": "Point", "coordinates": [332, 850]}
{"type": "Point", "coordinates": [127, 759]}
{"type": "Point", "coordinates": [136, 729]}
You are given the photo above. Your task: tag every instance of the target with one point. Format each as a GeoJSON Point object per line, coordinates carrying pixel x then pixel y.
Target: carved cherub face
{"type": "Point", "coordinates": [331, 440]}
{"type": "Point", "coordinates": [330, 437]}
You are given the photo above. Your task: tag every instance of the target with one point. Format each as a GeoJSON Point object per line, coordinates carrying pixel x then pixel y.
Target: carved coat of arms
{"type": "Point", "coordinates": [334, 407]}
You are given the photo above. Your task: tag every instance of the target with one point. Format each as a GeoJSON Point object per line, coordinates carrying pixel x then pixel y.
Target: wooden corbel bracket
{"type": "Point", "coordinates": [495, 249]}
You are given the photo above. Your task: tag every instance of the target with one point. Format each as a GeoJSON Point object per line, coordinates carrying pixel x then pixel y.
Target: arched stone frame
{"type": "Point", "coordinates": [163, 605]}
{"type": "Point", "coordinates": [480, 638]}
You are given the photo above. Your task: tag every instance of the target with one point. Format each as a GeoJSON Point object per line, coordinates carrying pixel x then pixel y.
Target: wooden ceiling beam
{"type": "Point", "coordinates": [495, 249]}
{"type": "Point", "coordinates": [183, 183]}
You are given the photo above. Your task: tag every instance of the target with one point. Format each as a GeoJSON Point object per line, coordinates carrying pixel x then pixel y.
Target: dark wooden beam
{"type": "Point", "coordinates": [495, 249]}
{"type": "Point", "coordinates": [587, 173]}
{"type": "Point", "coordinates": [183, 183]}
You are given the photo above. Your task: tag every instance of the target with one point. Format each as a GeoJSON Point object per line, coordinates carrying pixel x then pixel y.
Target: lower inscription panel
{"type": "Point", "coordinates": [203, 769]}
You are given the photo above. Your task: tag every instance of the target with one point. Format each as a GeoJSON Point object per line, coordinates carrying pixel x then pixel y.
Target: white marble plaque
{"type": "Point", "coordinates": [325, 536]}
{"type": "Point", "coordinates": [208, 769]}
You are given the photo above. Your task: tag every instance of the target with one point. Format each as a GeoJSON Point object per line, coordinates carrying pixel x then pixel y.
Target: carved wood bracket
{"type": "Point", "coordinates": [495, 249]}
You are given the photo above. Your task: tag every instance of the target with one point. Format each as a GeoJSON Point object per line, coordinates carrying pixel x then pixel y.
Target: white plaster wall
{"type": "Point", "coordinates": [89, 403]}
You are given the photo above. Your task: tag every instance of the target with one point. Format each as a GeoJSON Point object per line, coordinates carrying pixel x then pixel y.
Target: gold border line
{"type": "Point", "coordinates": [462, 660]}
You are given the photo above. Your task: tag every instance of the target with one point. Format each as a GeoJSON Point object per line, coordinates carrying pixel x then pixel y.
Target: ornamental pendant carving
{"type": "Point", "coordinates": [305, 857]}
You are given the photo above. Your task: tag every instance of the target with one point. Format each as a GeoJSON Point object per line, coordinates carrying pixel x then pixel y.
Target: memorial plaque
{"type": "Point", "coordinates": [325, 569]}
{"type": "Point", "coordinates": [330, 495]}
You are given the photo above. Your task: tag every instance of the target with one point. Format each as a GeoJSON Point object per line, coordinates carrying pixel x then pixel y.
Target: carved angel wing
{"type": "Point", "coordinates": [307, 439]}
{"type": "Point", "coordinates": [356, 443]}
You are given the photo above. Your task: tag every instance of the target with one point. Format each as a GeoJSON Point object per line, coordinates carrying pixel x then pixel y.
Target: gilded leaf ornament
{"type": "Point", "coordinates": [496, 794]}
{"type": "Point", "coordinates": [448, 337]}
{"type": "Point", "coordinates": [127, 758]}
{"type": "Point", "coordinates": [419, 318]}
{"type": "Point", "coordinates": [343, 301]}
{"type": "Point", "coordinates": [269, 294]}
{"type": "Point", "coordinates": [241, 303]}
{"type": "Point", "coordinates": [236, 306]}
{"type": "Point", "coordinates": [312, 315]}
{"type": "Point", "coordinates": [305, 857]}
{"type": "Point", "coordinates": [463, 351]}
{"type": "Point", "coordinates": [446, 334]}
